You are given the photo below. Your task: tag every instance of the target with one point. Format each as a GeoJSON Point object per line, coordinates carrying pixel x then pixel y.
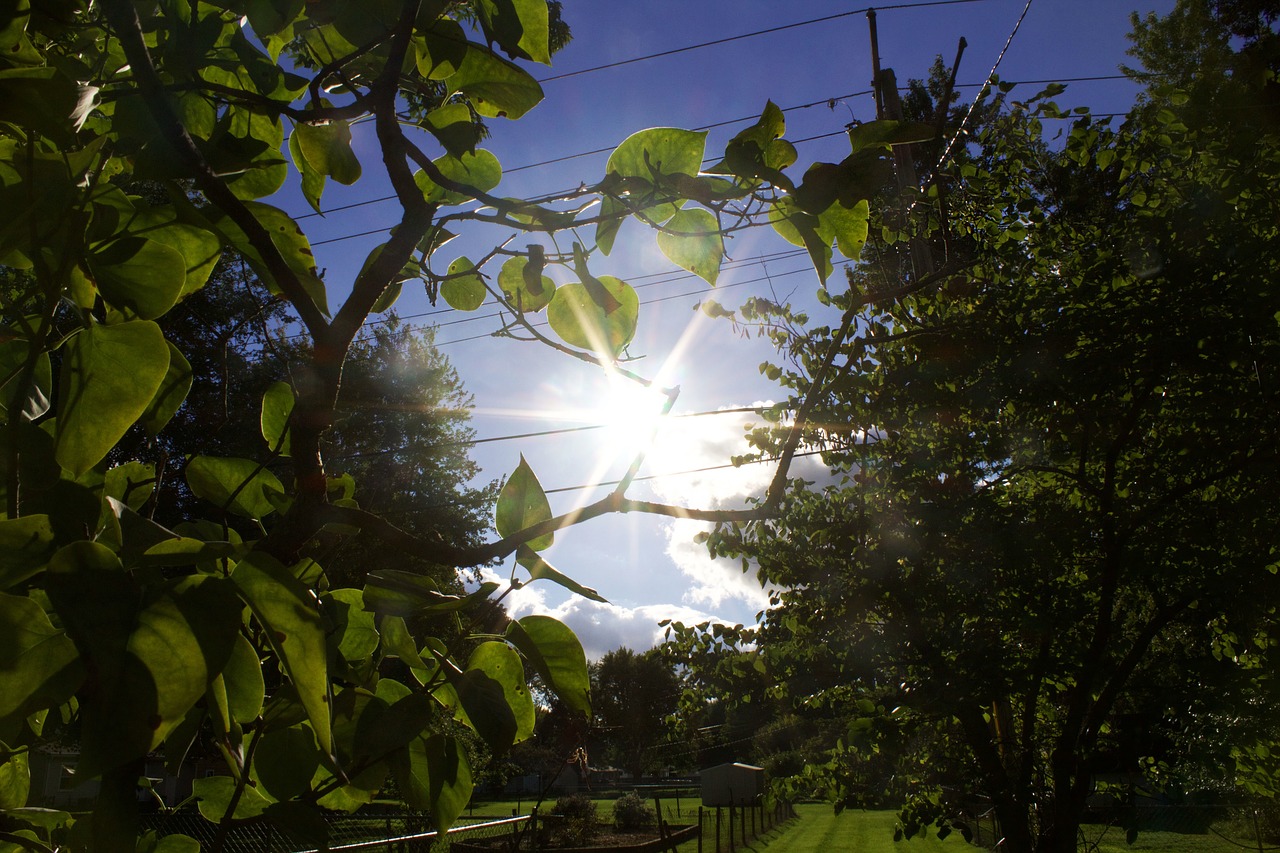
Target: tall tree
{"type": "Point", "coordinates": [1053, 472]}
{"type": "Point", "coordinates": [634, 695]}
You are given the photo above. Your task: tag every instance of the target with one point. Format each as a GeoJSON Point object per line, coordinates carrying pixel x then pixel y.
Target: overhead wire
{"type": "Point", "coordinates": [740, 37]}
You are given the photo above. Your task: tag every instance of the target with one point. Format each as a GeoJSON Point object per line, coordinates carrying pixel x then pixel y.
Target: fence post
{"type": "Point", "coordinates": [717, 829]}
{"type": "Point", "coordinates": [730, 827]}
{"type": "Point", "coordinates": [742, 818]}
{"type": "Point", "coordinates": [699, 829]}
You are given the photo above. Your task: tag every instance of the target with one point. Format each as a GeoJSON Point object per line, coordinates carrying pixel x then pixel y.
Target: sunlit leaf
{"type": "Point", "coordinates": [553, 650]}
{"type": "Point", "coordinates": [170, 396]}
{"type": "Point", "coordinates": [521, 504]}
{"type": "Point", "coordinates": [520, 27]}
{"type": "Point", "coordinates": [433, 774]}
{"type": "Point", "coordinates": [285, 760]}
{"type": "Point", "coordinates": [215, 794]}
{"type": "Point", "coordinates": [496, 88]}
{"type": "Point", "coordinates": [236, 485]}
{"type": "Point", "coordinates": [540, 569]}
{"type": "Point", "coordinates": [110, 375]}
{"type": "Point", "coordinates": [289, 614]}
{"type": "Point", "coordinates": [467, 291]}
{"type": "Point", "coordinates": [495, 695]}
{"type": "Point", "coordinates": [480, 171]}
{"type": "Point", "coordinates": [277, 406]}
{"type": "Point", "coordinates": [691, 240]}
{"type": "Point", "coordinates": [39, 665]}
{"type": "Point", "coordinates": [581, 321]}
{"type": "Point", "coordinates": [327, 149]}
{"type": "Point", "coordinates": [354, 636]}
{"type": "Point", "coordinates": [518, 281]}
{"type": "Point", "coordinates": [26, 544]}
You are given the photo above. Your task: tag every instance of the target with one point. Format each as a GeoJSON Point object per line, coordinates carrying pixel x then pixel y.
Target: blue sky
{"type": "Point", "coordinates": [649, 568]}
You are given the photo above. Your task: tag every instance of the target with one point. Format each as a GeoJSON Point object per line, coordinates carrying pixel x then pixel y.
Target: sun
{"type": "Point", "coordinates": [631, 414]}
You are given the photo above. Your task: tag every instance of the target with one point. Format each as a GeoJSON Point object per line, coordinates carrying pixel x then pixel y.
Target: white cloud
{"type": "Point", "coordinates": [601, 627]}
{"type": "Point", "coordinates": [700, 443]}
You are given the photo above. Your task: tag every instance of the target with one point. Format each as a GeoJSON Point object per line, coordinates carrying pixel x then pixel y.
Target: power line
{"type": "Point", "coordinates": [666, 277]}
{"type": "Point", "coordinates": [768, 31]}
{"type": "Point", "coordinates": [678, 473]}
{"type": "Point", "coordinates": [711, 126]}
{"type": "Point", "coordinates": [546, 432]}
{"type": "Point", "coordinates": [974, 104]}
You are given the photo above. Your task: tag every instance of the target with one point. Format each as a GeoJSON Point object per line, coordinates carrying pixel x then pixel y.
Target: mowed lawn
{"type": "Point", "coordinates": [819, 830]}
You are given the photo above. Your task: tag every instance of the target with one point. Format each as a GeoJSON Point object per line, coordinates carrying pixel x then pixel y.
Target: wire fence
{"type": "Point", "coordinates": [395, 832]}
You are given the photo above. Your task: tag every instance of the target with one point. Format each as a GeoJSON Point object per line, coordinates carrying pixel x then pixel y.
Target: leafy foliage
{"type": "Point", "coordinates": [1050, 474]}
{"type": "Point", "coordinates": [141, 143]}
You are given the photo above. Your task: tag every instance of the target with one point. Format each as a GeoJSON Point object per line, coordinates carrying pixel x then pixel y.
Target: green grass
{"type": "Point", "coordinates": [818, 829]}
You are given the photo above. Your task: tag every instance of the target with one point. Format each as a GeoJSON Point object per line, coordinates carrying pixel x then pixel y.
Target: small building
{"type": "Point", "coordinates": [732, 785]}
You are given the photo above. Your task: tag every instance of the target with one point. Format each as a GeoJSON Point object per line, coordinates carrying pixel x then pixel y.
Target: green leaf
{"type": "Point", "coordinates": [495, 696]}
{"type": "Point", "coordinates": [287, 611]}
{"type": "Point", "coordinates": [15, 779]}
{"type": "Point", "coordinates": [453, 127]}
{"type": "Point", "coordinates": [521, 504]}
{"type": "Point", "coordinates": [285, 761]}
{"type": "Point", "coordinates": [152, 655]}
{"type": "Point", "coordinates": [520, 27]}
{"type": "Point", "coordinates": [41, 99]}
{"type": "Point", "coordinates": [288, 238]}
{"type": "Point", "coordinates": [433, 774]}
{"type": "Point", "coordinates": [243, 681]}
{"type": "Point", "coordinates": [313, 180]}
{"type": "Point", "coordinates": [277, 406]}
{"type": "Point", "coordinates": [553, 650]}
{"type": "Point", "coordinates": [26, 544]}
{"type": "Point", "coordinates": [801, 229]}
{"type": "Point", "coordinates": [467, 292]}
{"type": "Point", "coordinates": [214, 795]}
{"type": "Point", "coordinates": [651, 155]}
{"type": "Point", "coordinates": [496, 88]}
{"type": "Point", "coordinates": [701, 250]}
{"type": "Point", "coordinates": [847, 226]}
{"type": "Point", "coordinates": [518, 279]}
{"type": "Point", "coordinates": [39, 666]}
{"type": "Point", "coordinates": [172, 393]}
{"type": "Point", "coordinates": [145, 277]}
{"type": "Point", "coordinates": [110, 375]}
{"type": "Point", "coordinates": [354, 636]}
{"type": "Point", "coordinates": [580, 320]}
{"type": "Point", "coordinates": [540, 569]}
{"type": "Point", "coordinates": [327, 149]}
{"type": "Point", "coordinates": [480, 170]}
{"type": "Point", "coordinates": [239, 486]}
{"type": "Point", "coordinates": [884, 133]}
{"type": "Point", "coordinates": [200, 249]}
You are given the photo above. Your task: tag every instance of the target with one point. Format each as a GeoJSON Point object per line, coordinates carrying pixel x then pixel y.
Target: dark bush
{"type": "Point", "coordinates": [576, 824]}
{"type": "Point", "coordinates": [631, 812]}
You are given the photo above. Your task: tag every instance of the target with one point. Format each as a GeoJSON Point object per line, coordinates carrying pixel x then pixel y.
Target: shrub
{"type": "Point", "coordinates": [577, 819]}
{"type": "Point", "coordinates": [632, 812]}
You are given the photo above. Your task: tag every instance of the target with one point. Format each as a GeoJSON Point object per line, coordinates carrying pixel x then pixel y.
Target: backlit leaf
{"type": "Point", "coordinates": [521, 504]}
{"type": "Point", "coordinates": [236, 485]}
{"type": "Point", "coordinates": [553, 650]}
{"type": "Point", "coordinates": [277, 405]}
{"type": "Point", "coordinates": [702, 247]}
{"type": "Point", "coordinates": [496, 88]}
{"type": "Point", "coordinates": [467, 291]}
{"type": "Point", "coordinates": [581, 321]}
{"type": "Point", "coordinates": [290, 617]}
{"type": "Point", "coordinates": [110, 375]}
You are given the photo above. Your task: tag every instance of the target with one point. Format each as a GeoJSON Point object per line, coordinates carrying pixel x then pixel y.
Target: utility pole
{"type": "Point", "coordinates": [889, 106]}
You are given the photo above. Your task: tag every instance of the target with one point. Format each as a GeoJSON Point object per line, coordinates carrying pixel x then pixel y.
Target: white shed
{"type": "Point", "coordinates": [732, 785]}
